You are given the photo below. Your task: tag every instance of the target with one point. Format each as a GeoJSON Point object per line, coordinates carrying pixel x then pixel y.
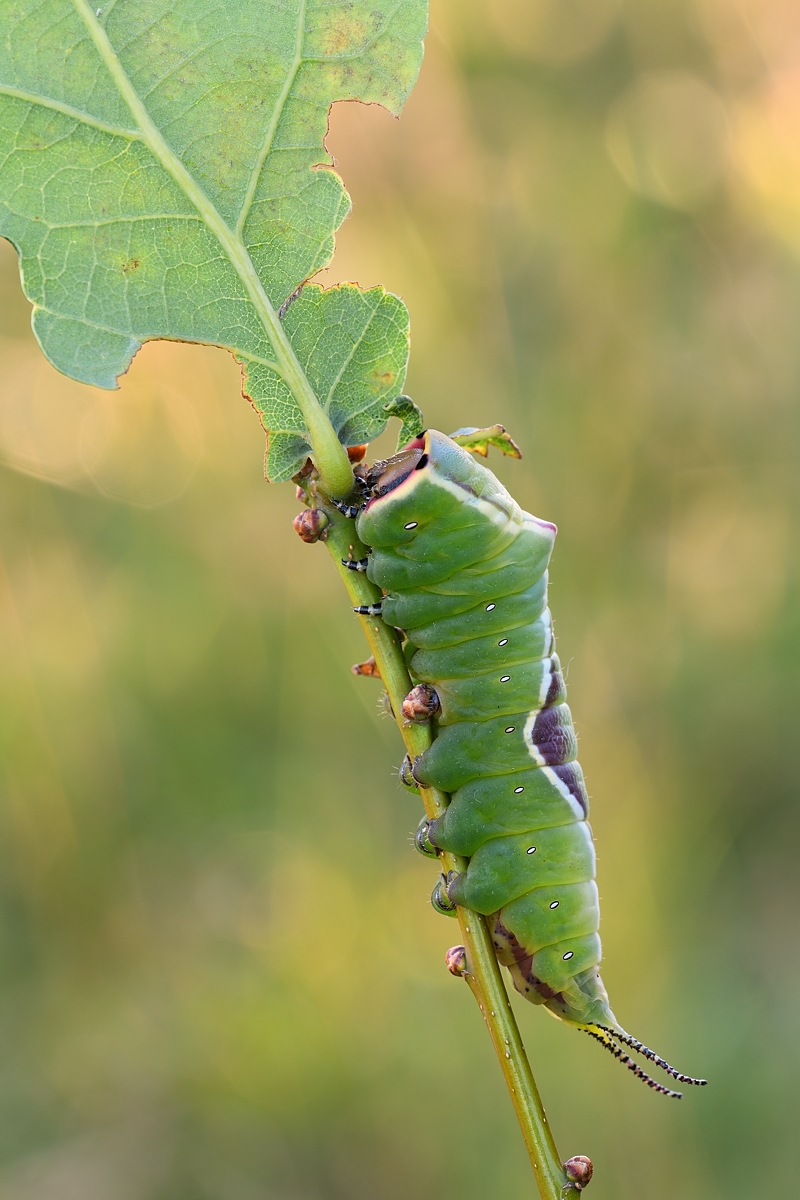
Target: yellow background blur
{"type": "Point", "coordinates": [221, 977]}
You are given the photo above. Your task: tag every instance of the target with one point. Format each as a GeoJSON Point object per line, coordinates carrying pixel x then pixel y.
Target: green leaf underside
{"type": "Point", "coordinates": [478, 441]}
{"type": "Point", "coordinates": [412, 422]}
{"type": "Point", "coordinates": [160, 177]}
{"type": "Point", "coordinates": [353, 347]}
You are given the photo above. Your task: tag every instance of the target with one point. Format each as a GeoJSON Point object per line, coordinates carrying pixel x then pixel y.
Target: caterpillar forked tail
{"type": "Point", "coordinates": [610, 1038]}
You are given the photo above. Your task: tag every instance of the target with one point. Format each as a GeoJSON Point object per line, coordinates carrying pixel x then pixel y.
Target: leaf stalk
{"type": "Point", "coordinates": [483, 971]}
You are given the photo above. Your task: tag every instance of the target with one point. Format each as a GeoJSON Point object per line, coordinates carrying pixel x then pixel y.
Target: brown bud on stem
{"type": "Point", "coordinates": [310, 525]}
{"type": "Point", "coordinates": [421, 704]}
{"type": "Point", "coordinates": [366, 668]}
{"type": "Point", "coordinates": [579, 1171]}
{"type": "Point", "coordinates": [456, 959]}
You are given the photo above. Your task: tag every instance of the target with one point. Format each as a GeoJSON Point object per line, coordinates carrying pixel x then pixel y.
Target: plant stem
{"type": "Point", "coordinates": [483, 971]}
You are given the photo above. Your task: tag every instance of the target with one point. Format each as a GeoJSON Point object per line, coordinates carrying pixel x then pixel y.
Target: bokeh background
{"type": "Point", "coordinates": [221, 976]}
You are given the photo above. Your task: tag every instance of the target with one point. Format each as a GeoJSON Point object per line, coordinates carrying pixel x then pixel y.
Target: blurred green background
{"type": "Point", "coordinates": [221, 976]}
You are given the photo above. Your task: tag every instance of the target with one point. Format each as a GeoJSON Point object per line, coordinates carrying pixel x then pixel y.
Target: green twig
{"type": "Point", "coordinates": [482, 969]}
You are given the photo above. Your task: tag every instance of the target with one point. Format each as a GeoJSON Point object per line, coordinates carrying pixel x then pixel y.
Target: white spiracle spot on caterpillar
{"type": "Point", "coordinates": [490, 607]}
{"type": "Point", "coordinates": [531, 850]}
{"type": "Point", "coordinates": [504, 678]}
{"type": "Point", "coordinates": [411, 525]}
{"type": "Point", "coordinates": [566, 957]}
{"type": "Point", "coordinates": [503, 642]}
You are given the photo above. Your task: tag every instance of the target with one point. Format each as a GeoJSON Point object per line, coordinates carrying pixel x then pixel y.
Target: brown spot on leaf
{"type": "Point", "coordinates": [382, 380]}
{"type": "Point", "coordinates": [346, 35]}
{"type": "Point", "coordinates": [132, 264]}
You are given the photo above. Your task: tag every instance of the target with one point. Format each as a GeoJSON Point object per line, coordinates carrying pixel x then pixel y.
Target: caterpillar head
{"type": "Point", "coordinates": [431, 485]}
{"type": "Point", "coordinates": [388, 473]}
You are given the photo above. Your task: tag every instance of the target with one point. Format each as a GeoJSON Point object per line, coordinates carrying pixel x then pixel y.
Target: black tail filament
{"type": "Point", "coordinates": [610, 1037]}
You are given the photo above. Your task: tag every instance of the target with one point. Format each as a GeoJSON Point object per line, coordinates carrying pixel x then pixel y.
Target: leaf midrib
{"type": "Point", "coordinates": [158, 146]}
{"type": "Point", "coordinates": [320, 430]}
{"type": "Point", "coordinates": [338, 377]}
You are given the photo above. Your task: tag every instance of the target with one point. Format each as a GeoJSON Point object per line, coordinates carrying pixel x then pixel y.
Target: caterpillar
{"type": "Point", "coordinates": [464, 573]}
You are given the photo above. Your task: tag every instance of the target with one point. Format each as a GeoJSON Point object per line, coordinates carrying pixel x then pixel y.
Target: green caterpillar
{"type": "Point", "coordinates": [464, 575]}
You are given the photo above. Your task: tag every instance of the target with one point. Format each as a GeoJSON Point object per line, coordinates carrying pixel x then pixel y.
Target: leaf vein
{"type": "Point", "coordinates": [346, 363]}
{"type": "Point", "coordinates": [277, 112]}
{"type": "Point", "coordinates": [101, 221]}
{"type": "Point", "coordinates": [106, 10]}
{"type": "Point", "coordinates": [85, 321]}
{"type": "Point", "coordinates": [180, 65]}
{"type": "Point", "coordinates": [67, 110]}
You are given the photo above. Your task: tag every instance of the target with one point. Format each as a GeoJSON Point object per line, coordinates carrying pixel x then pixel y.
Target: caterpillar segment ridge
{"type": "Point", "coordinates": [464, 573]}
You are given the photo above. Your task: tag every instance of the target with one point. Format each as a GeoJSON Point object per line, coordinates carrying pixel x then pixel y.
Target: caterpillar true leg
{"type": "Point", "coordinates": [355, 564]}
{"type": "Point", "coordinates": [348, 510]}
{"type": "Point", "coordinates": [369, 610]}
